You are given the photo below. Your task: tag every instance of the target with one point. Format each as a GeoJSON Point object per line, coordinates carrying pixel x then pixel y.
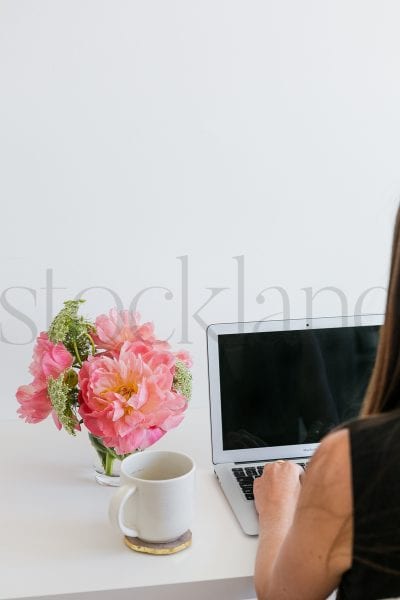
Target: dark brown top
{"type": "Point", "coordinates": [375, 463]}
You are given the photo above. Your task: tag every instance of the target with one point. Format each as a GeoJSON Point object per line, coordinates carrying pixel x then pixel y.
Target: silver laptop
{"type": "Point", "coordinates": [276, 388]}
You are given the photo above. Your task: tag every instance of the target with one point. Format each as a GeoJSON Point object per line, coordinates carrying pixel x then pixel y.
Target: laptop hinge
{"type": "Point", "coordinates": [265, 460]}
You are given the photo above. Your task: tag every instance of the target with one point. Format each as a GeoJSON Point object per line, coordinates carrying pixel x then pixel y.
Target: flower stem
{"type": "Point", "coordinates": [91, 343]}
{"type": "Point", "coordinates": [78, 357]}
{"type": "Point", "coordinates": [109, 463]}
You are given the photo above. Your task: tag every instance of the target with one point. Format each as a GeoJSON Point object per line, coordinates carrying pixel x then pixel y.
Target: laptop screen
{"type": "Point", "coordinates": [291, 387]}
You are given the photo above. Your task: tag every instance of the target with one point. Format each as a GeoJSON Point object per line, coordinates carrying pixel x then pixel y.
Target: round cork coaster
{"type": "Point", "coordinates": [182, 542]}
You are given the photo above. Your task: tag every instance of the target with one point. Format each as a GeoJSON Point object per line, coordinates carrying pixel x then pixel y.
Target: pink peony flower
{"type": "Point", "coordinates": [124, 326]}
{"type": "Point", "coordinates": [49, 360]}
{"type": "Point", "coordinates": [127, 400]}
{"type": "Point", "coordinates": [35, 403]}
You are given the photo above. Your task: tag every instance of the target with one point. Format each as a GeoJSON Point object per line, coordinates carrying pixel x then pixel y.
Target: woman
{"type": "Point", "coordinates": [338, 524]}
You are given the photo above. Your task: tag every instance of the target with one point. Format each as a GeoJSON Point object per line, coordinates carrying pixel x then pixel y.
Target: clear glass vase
{"type": "Point", "coordinates": [107, 463]}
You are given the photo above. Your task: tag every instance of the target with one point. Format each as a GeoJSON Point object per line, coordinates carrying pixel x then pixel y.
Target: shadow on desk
{"type": "Point", "coordinates": [221, 589]}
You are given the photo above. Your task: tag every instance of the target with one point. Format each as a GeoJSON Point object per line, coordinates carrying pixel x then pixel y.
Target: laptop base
{"type": "Point", "coordinates": [243, 509]}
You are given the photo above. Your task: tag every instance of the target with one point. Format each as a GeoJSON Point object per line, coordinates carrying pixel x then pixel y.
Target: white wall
{"type": "Point", "coordinates": [136, 132]}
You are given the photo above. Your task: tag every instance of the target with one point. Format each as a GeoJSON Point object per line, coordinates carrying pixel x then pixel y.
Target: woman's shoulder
{"type": "Point", "coordinates": [327, 480]}
{"type": "Point", "coordinates": [330, 465]}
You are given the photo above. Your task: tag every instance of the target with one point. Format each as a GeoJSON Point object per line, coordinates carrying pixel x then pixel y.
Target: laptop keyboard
{"type": "Point", "coordinates": [245, 477]}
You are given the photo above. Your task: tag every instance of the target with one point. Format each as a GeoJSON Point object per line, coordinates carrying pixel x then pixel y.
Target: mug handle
{"type": "Point", "coordinates": [117, 506]}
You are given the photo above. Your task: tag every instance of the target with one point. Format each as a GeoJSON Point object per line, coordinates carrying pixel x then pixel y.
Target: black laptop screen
{"type": "Point", "coordinates": [292, 387]}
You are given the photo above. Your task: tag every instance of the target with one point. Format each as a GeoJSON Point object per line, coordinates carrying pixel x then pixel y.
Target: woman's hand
{"type": "Point", "coordinates": [278, 489]}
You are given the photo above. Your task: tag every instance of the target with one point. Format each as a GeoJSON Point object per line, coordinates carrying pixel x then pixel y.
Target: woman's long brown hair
{"type": "Point", "coordinates": [383, 393]}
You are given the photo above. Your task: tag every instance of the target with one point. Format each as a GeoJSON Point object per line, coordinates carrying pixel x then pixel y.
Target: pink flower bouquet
{"type": "Point", "coordinates": [113, 376]}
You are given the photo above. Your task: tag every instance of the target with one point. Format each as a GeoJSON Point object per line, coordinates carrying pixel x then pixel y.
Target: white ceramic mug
{"type": "Point", "coordinates": [155, 500]}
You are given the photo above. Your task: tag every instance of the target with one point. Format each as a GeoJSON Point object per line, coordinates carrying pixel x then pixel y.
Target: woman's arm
{"type": "Point", "coordinates": [305, 542]}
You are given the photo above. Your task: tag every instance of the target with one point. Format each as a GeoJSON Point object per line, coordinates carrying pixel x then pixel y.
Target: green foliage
{"type": "Point", "coordinates": [183, 379]}
{"type": "Point", "coordinates": [62, 399]}
{"type": "Point", "coordinates": [73, 331]}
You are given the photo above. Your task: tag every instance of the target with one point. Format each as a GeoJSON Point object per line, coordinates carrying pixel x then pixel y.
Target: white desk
{"type": "Point", "coordinates": [56, 540]}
